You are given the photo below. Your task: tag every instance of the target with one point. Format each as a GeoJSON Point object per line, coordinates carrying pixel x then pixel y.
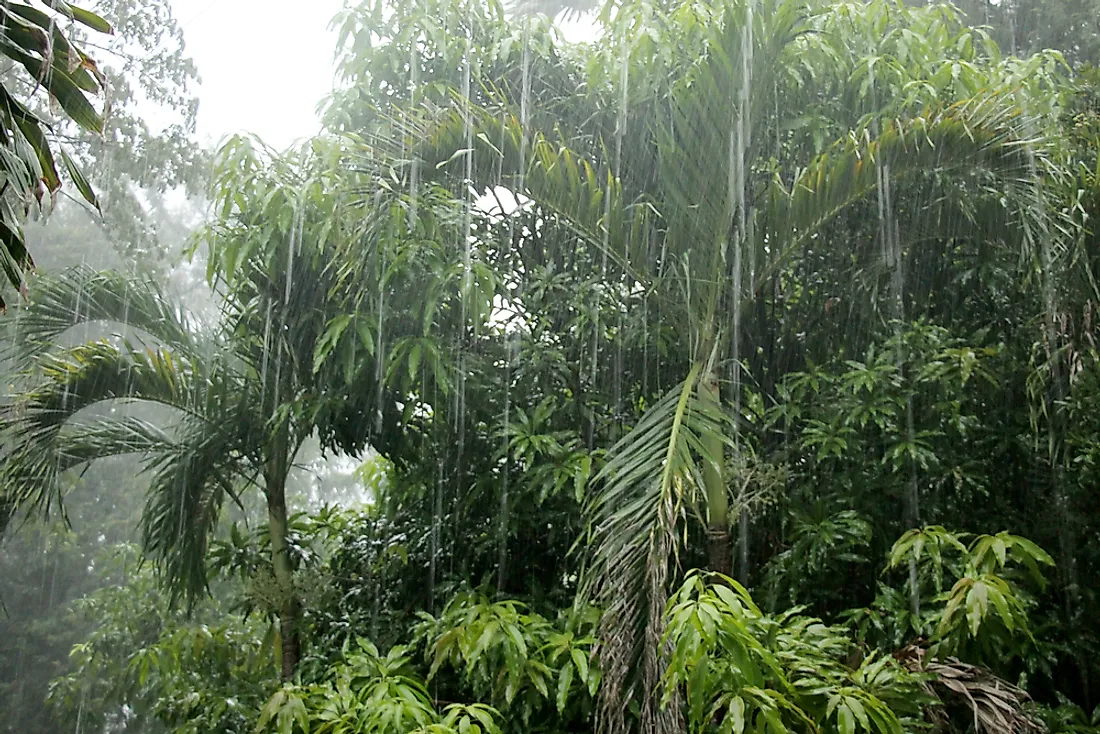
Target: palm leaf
{"type": "Point", "coordinates": [192, 466]}
{"type": "Point", "coordinates": [189, 486]}
{"type": "Point", "coordinates": [82, 378]}
{"type": "Point", "coordinates": [985, 136]}
{"type": "Point", "coordinates": [698, 146]}
{"type": "Point", "coordinates": [586, 198]}
{"type": "Point", "coordinates": [83, 296]}
{"type": "Point", "coordinates": [651, 479]}
{"type": "Point", "coordinates": [981, 136]}
{"type": "Point", "coordinates": [80, 15]}
{"type": "Point", "coordinates": [57, 421]}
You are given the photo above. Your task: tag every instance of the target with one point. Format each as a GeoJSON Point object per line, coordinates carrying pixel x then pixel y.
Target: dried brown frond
{"type": "Point", "coordinates": [998, 706]}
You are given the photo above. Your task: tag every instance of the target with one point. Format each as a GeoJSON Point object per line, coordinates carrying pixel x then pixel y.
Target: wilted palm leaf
{"type": "Point", "coordinates": [652, 480]}
{"type": "Point", "coordinates": [998, 707]}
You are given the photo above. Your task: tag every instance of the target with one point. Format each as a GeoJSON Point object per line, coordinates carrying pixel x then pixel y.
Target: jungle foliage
{"type": "Point", "coordinates": [731, 372]}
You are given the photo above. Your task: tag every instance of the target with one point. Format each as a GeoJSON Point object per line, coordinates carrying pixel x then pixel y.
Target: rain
{"type": "Point", "coordinates": [510, 366]}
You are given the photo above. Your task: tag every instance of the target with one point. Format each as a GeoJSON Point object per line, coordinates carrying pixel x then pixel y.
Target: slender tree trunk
{"type": "Point", "coordinates": [892, 257]}
{"type": "Point", "coordinates": [289, 608]}
{"type": "Point", "coordinates": [743, 520]}
{"type": "Point", "coordinates": [719, 556]}
{"type": "Point", "coordinates": [7, 511]}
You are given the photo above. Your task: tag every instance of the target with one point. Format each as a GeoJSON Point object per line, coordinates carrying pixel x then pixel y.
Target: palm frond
{"type": "Point", "coordinates": [698, 144]}
{"type": "Point", "coordinates": [194, 462]}
{"type": "Point", "coordinates": [82, 441]}
{"type": "Point", "coordinates": [32, 424]}
{"type": "Point", "coordinates": [585, 196]}
{"type": "Point", "coordinates": [652, 478]}
{"type": "Point", "coordinates": [998, 707]}
{"type": "Point", "coordinates": [190, 483]}
{"type": "Point", "coordinates": [983, 139]}
{"type": "Point", "coordinates": [193, 466]}
{"type": "Point", "coordinates": [983, 136]}
{"type": "Point", "coordinates": [65, 415]}
{"type": "Point", "coordinates": [82, 296]}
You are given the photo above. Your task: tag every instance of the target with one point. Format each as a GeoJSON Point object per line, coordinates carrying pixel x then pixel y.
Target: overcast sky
{"type": "Point", "coordinates": [265, 64]}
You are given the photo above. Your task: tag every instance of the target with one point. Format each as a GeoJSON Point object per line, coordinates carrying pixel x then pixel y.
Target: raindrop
{"type": "Point", "coordinates": [466, 293]}
{"type": "Point", "coordinates": [740, 140]}
{"type": "Point", "coordinates": [295, 237]}
{"type": "Point", "coordinates": [414, 167]}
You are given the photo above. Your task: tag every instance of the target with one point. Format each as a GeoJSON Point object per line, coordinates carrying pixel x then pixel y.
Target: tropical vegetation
{"type": "Point", "coordinates": [731, 371]}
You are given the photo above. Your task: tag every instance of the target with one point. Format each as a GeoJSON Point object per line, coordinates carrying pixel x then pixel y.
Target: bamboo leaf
{"type": "Point", "coordinates": [82, 184]}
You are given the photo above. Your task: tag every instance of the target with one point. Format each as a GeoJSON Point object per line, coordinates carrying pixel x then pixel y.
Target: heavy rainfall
{"type": "Point", "coordinates": [548, 366]}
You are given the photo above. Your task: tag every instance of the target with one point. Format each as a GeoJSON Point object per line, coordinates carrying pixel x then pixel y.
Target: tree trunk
{"type": "Point", "coordinates": [743, 547]}
{"type": "Point", "coordinates": [719, 547]}
{"type": "Point", "coordinates": [289, 633]}
{"type": "Point", "coordinates": [1055, 400]}
{"type": "Point", "coordinates": [719, 557]}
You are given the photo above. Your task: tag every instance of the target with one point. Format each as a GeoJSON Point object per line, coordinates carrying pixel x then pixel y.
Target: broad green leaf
{"type": "Point", "coordinates": [737, 715]}
{"type": "Point", "coordinates": [88, 18]}
{"type": "Point", "coordinates": [78, 178]}
{"type": "Point", "coordinates": [565, 680]}
{"type": "Point", "coordinates": [857, 709]}
{"type": "Point", "coordinates": [846, 721]}
{"type": "Point", "coordinates": [977, 604]}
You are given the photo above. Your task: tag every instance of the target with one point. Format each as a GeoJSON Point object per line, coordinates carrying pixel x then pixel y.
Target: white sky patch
{"type": "Point", "coordinates": [580, 30]}
{"type": "Point", "coordinates": [500, 201]}
{"type": "Point", "coordinates": [266, 64]}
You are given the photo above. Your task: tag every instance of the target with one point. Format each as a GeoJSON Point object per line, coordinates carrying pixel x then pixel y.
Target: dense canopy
{"type": "Point", "coordinates": [733, 370]}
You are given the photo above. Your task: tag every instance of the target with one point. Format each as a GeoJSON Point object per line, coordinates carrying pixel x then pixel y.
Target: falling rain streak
{"type": "Point", "coordinates": [573, 313]}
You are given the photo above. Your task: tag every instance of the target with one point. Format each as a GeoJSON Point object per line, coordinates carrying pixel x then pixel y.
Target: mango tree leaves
{"type": "Point", "coordinates": [518, 660]}
{"type": "Point", "coordinates": [368, 691]}
{"type": "Point", "coordinates": [35, 40]}
{"type": "Point", "coordinates": [750, 671]}
{"type": "Point", "coordinates": [987, 600]}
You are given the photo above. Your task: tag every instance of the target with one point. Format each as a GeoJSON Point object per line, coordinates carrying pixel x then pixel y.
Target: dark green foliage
{"type": "Point", "coordinates": [838, 324]}
{"type": "Point", "coordinates": [45, 569]}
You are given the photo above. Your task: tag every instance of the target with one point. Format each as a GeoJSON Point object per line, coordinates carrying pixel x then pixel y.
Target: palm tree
{"type": "Point", "coordinates": [676, 189]}
{"type": "Point", "coordinates": [73, 408]}
{"type": "Point", "coordinates": [240, 395]}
